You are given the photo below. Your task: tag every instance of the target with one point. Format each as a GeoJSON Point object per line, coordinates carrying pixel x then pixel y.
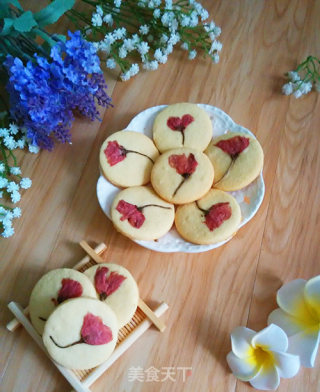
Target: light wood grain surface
{"type": "Point", "coordinates": [210, 293]}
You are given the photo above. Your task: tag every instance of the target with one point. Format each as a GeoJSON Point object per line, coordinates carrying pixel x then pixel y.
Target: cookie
{"type": "Point", "coordinates": [81, 333]}
{"type": "Point", "coordinates": [117, 288]}
{"type": "Point", "coordinates": [237, 159]}
{"type": "Point", "coordinates": [182, 125]}
{"type": "Point", "coordinates": [52, 289]}
{"type": "Point", "coordinates": [140, 214]}
{"type": "Point", "coordinates": [214, 218]}
{"type": "Point", "coordinates": [182, 175]}
{"type": "Point", "coordinates": [126, 158]}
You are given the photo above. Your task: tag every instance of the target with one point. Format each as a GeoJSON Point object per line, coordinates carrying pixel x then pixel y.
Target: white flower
{"type": "Point", "coordinates": [111, 63]}
{"type": "Point", "coordinates": [134, 69]}
{"type": "Point", "coordinates": [215, 58]}
{"type": "Point", "coordinates": [108, 19]}
{"type": "Point", "coordinates": [192, 54]}
{"type": "Point", "coordinates": [16, 212]}
{"type": "Point", "coordinates": [185, 21]}
{"type": "Point", "coordinates": [287, 88]}
{"type": "Point", "coordinates": [261, 357]}
{"type": "Point", "coordinates": [215, 46]}
{"type": "Point", "coordinates": [109, 39]}
{"type": "Point", "coordinates": [168, 49]}
{"type": "Point", "coordinates": [143, 48]}
{"type": "Point", "coordinates": [160, 57]}
{"type": "Point", "coordinates": [156, 14]}
{"type": "Point", "coordinates": [15, 170]}
{"type": "Point", "coordinates": [306, 87]}
{"type": "Point", "coordinates": [122, 52]}
{"type": "Point", "coordinates": [25, 183]}
{"type": "Point", "coordinates": [3, 182]}
{"type": "Point", "coordinates": [15, 197]}
{"type": "Point", "coordinates": [9, 142]}
{"type": "Point", "coordinates": [8, 232]}
{"type": "Point", "coordinates": [129, 44]}
{"type": "Point", "coordinates": [164, 38]}
{"type": "Point", "coordinates": [117, 3]}
{"type": "Point", "coordinates": [298, 93]}
{"type": "Point", "coordinates": [151, 65]}
{"type": "Point", "coordinates": [299, 317]}
{"type": "Point", "coordinates": [2, 167]}
{"type": "Point", "coordinates": [99, 10]}
{"type": "Point", "coordinates": [120, 33]}
{"type": "Point", "coordinates": [4, 132]}
{"type": "Point", "coordinates": [33, 149]}
{"type": "Point", "coordinates": [144, 30]}
{"type": "Point", "coordinates": [20, 143]}
{"type": "Point", "coordinates": [12, 187]}
{"type": "Point", "coordinates": [293, 76]}
{"type": "Point", "coordinates": [96, 20]}
{"type": "Point", "coordinates": [13, 129]}
{"type": "Point", "coordinates": [184, 46]}
{"type": "Point", "coordinates": [174, 38]}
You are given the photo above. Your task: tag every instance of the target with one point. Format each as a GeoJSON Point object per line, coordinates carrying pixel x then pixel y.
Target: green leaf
{"type": "Point", "coordinates": [25, 22]}
{"type": "Point", "coordinates": [53, 12]}
{"type": "Point", "coordinates": [7, 26]}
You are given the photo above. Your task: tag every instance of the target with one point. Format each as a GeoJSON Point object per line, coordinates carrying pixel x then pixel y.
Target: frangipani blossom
{"type": "Point", "coordinates": [299, 317]}
{"type": "Point", "coordinates": [261, 357]}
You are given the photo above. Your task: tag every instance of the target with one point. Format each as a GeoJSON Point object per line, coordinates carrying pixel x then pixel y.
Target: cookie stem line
{"type": "Point", "coordinates": [185, 177]}
{"type": "Point", "coordinates": [42, 318]}
{"type": "Point", "coordinates": [201, 209]}
{"type": "Point", "coordinates": [68, 345]}
{"type": "Point", "coordinates": [152, 205]}
{"type": "Point", "coordinates": [136, 152]}
{"type": "Point", "coordinates": [233, 159]}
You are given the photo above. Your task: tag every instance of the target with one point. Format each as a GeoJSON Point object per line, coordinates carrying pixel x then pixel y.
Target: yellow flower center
{"type": "Point", "coordinates": [308, 315]}
{"type": "Point", "coordinates": [261, 356]}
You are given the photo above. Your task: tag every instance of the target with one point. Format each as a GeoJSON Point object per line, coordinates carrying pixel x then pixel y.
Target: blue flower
{"type": "Point", "coordinates": [45, 93]}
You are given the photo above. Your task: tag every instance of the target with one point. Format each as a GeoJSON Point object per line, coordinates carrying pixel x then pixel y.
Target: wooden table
{"type": "Point", "coordinates": [209, 293]}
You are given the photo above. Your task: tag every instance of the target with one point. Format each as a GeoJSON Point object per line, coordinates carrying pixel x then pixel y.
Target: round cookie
{"type": "Point", "coordinates": [237, 159]}
{"type": "Point", "coordinates": [53, 288]}
{"type": "Point", "coordinates": [182, 125]}
{"type": "Point", "coordinates": [81, 333]}
{"type": "Point", "coordinates": [127, 157]}
{"type": "Point", "coordinates": [140, 214]}
{"type": "Point", "coordinates": [117, 288]}
{"type": "Point", "coordinates": [212, 219]}
{"type": "Point", "coordinates": [182, 175]}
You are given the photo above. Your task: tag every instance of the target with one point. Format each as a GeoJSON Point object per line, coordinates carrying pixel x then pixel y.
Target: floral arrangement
{"type": "Point", "coordinates": [292, 338]}
{"type": "Point", "coordinates": [303, 78]}
{"type": "Point", "coordinates": [134, 34]}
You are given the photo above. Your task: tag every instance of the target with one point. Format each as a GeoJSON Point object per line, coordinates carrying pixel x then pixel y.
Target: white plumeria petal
{"type": "Point", "coordinates": [288, 323]}
{"type": "Point", "coordinates": [242, 369]}
{"type": "Point", "coordinates": [266, 379]}
{"type": "Point", "coordinates": [291, 296]}
{"type": "Point", "coordinates": [305, 344]}
{"type": "Point", "coordinates": [241, 341]}
{"type": "Point", "coordinates": [312, 295]}
{"type": "Point", "coordinates": [288, 365]}
{"type": "Point", "coordinates": [272, 338]}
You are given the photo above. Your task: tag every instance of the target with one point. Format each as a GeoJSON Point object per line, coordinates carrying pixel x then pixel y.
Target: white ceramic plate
{"type": "Point", "coordinates": [172, 242]}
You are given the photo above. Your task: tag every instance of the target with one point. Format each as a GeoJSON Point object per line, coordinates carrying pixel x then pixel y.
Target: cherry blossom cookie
{"type": "Point", "coordinates": [182, 125]}
{"type": "Point", "coordinates": [81, 333]}
{"type": "Point", "coordinates": [182, 175]}
{"type": "Point", "coordinates": [117, 288]}
{"type": "Point", "coordinates": [140, 214]}
{"type": "Point", "coordinates": [237, 159]}
{"type": "Point", "coordinates": [214, 218]}
{"type": "Point", "coordinates": [52, 289]}
{"type": "Point", "coordinates": [127, 157]}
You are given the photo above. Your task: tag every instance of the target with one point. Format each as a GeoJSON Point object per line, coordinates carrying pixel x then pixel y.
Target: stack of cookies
{"type": "Point", "coordinates": [182, 176]}
{"type": "Point", "coordinates": [79, 314]}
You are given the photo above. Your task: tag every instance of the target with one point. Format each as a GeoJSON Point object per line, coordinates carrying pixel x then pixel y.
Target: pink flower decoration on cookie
{"type": "Point", "coordinates": [131, 212]}
{"type": "Point", "coordinates": [94, 332]}
{"type": "Point", "coordinates": [69, 289]}
{"type": "Point", "coordinates": [234, 146]}
{"type": "Point", "coordinates": [115, 153]}
{"type": "Point", "coordinates": [180, 124]}
{"type": "Point", "coordinates": [217, 214]}
{"type": "Point", "coordinates": [104, 285]}
{"type": "Point", "coordinates": [183, 165]}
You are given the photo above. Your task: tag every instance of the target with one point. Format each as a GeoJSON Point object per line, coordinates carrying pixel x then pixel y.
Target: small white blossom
{"type": "Point", "coordinates": [4, 132]}
{"type": "Point", "coordinates": [184, 46]}
{"type": "Point", "coordinates": [185, 21]}
{"type": "Point", "coordinates": [8, 232]}
{"type": "Point", "coordinates": [15, 170]}
{"type": "Point", "coordinates": [143, 48]}
{"type": "Point", "coordinates": [111, 63]}
{"type": "Point", "coordinates": [144, 30]}
{"type": "Point", "coordinates": [99, 10]}
{"type": "Point", "coordinates": [9, 142]}
{"type": "Point", "coordinates": [192, 54]}
{"type": "Point", "coordinates": [117, 3]}
{"type": "Point", "coordinates": [120, 33]}
{"type": "Point", "coordinates": [164, 39]}
{"type": "Point", "coordinates": [3, 182]}
{"type": "Point", "coordinates": [215, 58]}
{"type": "Point", "coordinates": [160, 57]}
{"type": "Point", "coordinates": [168, 50]}
{"type": "Point", "coordinates": [134, 69]}
{"type": "Point", "coordinates": [15, 197]}
{"type": "Point", "coordinates": [306, 87]}
{"type": "Point", "coordinates": [293, 76]}
{"type": "Point", "coordinates": [122, 52]}
{"type": "Point", "coordinates": [216, 45]}
{"type": "Point", "coordinates": [13, 129]}
{"type": "Point", "coordinates": [108, 19]}
{"type": "Point", "coordinates": [33, 149]}
{"type": "Point", "coordinates": [287, 88]}
{"type": "Point", "coordinates": [12, 187]}
{"type": "Point", "coordinates": [25, 183]}
{"type": "Point", "coordinates": [298, 93]}
{"type": "Point", "coordinates": [151, 65]}
{"type": "Point", "coordinates": [20, 143]}
{"type": "Point", "coordinates": [16, 212]}
{"type": "Point", "coordinates": [156, 14]}
{"type": "Point", "coordinates": [96, 20]}
{"type": "Point", "coordinates": [2, 167]}
{"type": "Point", "coordinates": [129, 44]}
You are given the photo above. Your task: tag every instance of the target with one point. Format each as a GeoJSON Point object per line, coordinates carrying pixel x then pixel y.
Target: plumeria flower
{"type": "Point", "coordinates": [261, 357]}
{"type": "Point", "coordinates": [299, 317]}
